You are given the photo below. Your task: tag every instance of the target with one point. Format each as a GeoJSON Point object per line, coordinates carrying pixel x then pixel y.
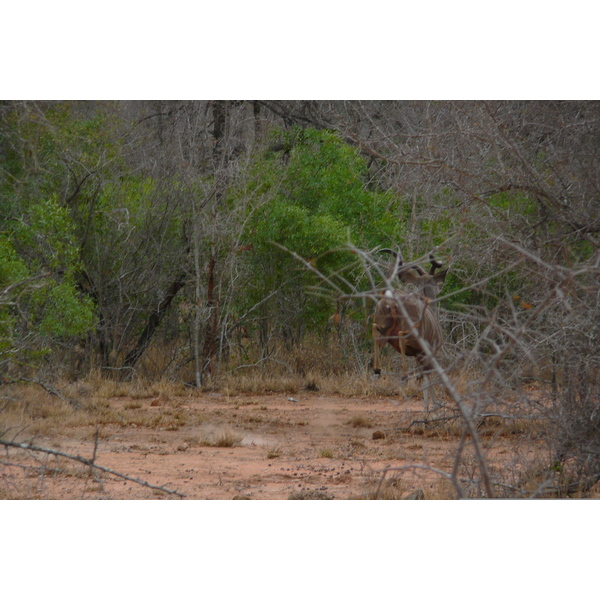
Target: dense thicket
{"type": "Point", "coordinates": [121, 220]}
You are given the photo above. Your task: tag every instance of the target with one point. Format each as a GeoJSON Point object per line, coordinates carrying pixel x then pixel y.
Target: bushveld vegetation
{"type": "Point", "coordinates": [233, 245]}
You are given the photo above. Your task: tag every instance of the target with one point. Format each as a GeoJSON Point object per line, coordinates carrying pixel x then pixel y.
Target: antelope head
{"type": "Point", "coordinates": [428, 284]}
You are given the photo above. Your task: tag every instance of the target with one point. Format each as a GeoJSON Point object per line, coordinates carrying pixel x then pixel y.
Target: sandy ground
{"type": "Point", "coordinates": [273, 446]}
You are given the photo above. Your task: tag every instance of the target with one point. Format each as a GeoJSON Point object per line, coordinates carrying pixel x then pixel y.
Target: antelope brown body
{"type": "Point", "coordinates": [407, 319]}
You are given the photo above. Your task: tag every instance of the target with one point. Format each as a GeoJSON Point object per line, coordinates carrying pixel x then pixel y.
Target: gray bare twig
{"type": "Point", "coordinates": [88, 462]}
{"type": "Point", "coordinates": [385, 471]}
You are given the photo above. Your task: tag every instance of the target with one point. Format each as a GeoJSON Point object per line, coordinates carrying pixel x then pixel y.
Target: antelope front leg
{"type": "Point", "coordinates": [376, 360]}
{"type": "Point", "coordinates": [403, 353]}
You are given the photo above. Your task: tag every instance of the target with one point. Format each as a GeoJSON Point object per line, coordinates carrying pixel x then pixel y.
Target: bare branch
{"type": "Point", "coordinates": [385, 471]}
{"type": "Point", "coordinates": [88, 462]}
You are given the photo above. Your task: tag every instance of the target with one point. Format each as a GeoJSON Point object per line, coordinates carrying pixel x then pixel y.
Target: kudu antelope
{"type": "Point", "coordinates": [405, 319]}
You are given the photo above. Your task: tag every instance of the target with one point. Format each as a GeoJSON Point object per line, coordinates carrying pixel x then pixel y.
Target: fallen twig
{"type": "Point", "coordinates": [427, 421]}
{"type": "Point", "coordinates": [88, 462]}
{"type": "Point", "coordinates": [385, 471]}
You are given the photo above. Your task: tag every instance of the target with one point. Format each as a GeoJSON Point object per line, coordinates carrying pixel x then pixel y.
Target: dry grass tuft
{"type": "Point", "coordinates": [167, 421]}
{"type": "Point", "coordinates": [31, 409]}
{"type": "Point", "coordinates": [359, 421]}
{"type": "Point", "coordinates": [34, 411]}
{"type": "Point", "coordinates": [310, 495]}
{"type": "Point", "coordinates": [496, 426]}
{"type": "Point", "coordinates": [274, 453]}
{"type": "Point", "coordinates": [441, 489]}
{"type": "Point", "coordinates": [223, 439]}
{"type": "Point", "coordinates": [391, 488]}
{"type": "Point", "coordinates": [260, 383]}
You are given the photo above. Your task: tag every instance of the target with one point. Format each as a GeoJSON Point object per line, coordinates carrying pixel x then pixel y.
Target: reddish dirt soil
{"type": "Point", "coordinates": [306, 447]}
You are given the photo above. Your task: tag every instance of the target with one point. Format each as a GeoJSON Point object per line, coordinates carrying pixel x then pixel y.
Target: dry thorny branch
{"type": "Point", "coordinates": [85, 461]}
{"type": "Point", "coordinates": [90, 462]}
{"type": "Point", "coordinates": [561, 322]}
{"type": "Point", "coordinates": [372, 265]}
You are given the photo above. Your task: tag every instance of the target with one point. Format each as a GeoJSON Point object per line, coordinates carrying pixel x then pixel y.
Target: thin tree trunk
{"type": "Point", "coordinates": [154, 320]}
{"type": "Point", "coordinates": [210, 338]}
{"type": "Point", "coordinates": [197, 315]}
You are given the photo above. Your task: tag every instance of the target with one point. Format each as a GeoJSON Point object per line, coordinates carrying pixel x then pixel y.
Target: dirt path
{"type": "Point", "coordinates": [211, 446]}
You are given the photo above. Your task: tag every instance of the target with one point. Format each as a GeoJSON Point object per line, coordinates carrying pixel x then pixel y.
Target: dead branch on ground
{"type": "Point", "coordinates": [90, 463]}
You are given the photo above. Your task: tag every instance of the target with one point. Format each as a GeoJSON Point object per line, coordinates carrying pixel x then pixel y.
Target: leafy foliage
{"type": "Point", "coordinates": [39, 249]}
{"type": "Point", "coordinates": [319, 199]}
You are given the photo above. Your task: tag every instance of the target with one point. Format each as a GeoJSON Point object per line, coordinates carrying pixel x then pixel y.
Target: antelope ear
{"type": "Point", "coordinates": [441, 276]}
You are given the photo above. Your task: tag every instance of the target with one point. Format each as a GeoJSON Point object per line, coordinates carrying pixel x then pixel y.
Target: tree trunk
{"type": "Point", "coordinates": [210, 337]}
{"type": "Point", "coordinates": [154, 320]}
